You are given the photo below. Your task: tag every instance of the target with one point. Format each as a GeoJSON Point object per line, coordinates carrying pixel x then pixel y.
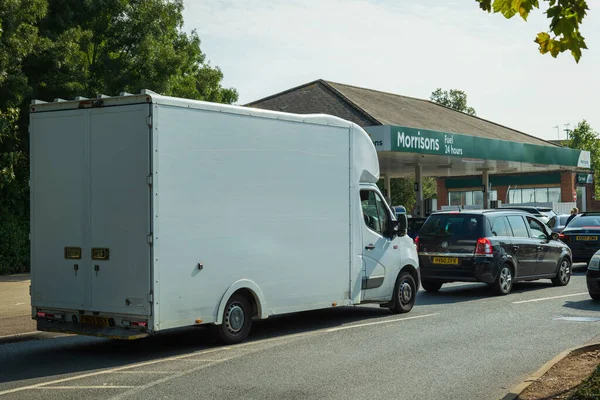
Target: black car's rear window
{"type": "Point", "coordinates": [585, 220]}
{"type": "Point", "coordinates": [454, 225]}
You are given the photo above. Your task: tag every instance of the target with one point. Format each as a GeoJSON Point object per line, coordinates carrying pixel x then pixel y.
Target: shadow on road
{"type": "Point", "coordinates": [76, 354]}
{"type": "Point", "coordinates": [584, 305]}
{"type": "Point", "coordinates": [474, 291]}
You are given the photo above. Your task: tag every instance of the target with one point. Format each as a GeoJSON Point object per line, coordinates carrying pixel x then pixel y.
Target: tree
{"type": "Point", "coordinates": [455, 99]}
{"type": "Point", "coordinates": [565, 17]}
{"type": "Point", "coordinates": [403, 191]}
{"type": "Point", "coordinates": [68, 48]}
{"type": "Point", "coordinates": [583, 137]}
{"type": "Point", "coordinates": [123, 45]}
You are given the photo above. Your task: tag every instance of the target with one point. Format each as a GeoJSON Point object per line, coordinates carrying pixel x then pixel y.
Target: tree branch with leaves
{"type": "Point", "coordinates": [565, 17]}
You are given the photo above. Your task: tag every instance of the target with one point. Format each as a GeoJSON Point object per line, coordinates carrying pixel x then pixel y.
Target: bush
{"type": "Point", "coordinates": [14, 242]}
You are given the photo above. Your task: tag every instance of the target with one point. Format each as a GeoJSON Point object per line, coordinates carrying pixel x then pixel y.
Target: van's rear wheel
{"type": "Point", "coordinates": [237, 320]}
{"type": "Point", "coordinates": [405, 293]}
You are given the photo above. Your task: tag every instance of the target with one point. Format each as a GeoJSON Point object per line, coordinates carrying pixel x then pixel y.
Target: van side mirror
{"type": "Point", "coordinates": [554, 235]}
{"type": "Point", "coordinates": [402, 225]}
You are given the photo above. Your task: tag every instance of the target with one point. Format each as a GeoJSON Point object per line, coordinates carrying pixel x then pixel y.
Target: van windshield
{"type": "Point", "coordinates": [459, 225]}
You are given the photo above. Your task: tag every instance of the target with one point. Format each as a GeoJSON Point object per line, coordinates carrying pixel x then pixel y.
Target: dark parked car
{"type": "Point", "coordinates": [414, 226]}
{"type": "Point", "coordinates": [582, 235]}
{"type": "Point", "coordinates": [558, 222]}
{"type": "Point", "coordinates": [592, 276]}
{"type": "Point", "coordinates": [498, 247]}
{"type": "Point", "coordinates": [542, 213]}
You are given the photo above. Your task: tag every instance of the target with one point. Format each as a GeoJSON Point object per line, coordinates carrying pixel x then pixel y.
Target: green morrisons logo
{"type": "Point", "coordinates": [418, 143]}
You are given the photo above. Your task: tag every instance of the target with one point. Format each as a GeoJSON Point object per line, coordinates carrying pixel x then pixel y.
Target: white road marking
{"type": "Point", "coordinates": [378, 323]}
{"type": "Point", "coordinates": [549, 298]}
{"type": "Point", "coordinates": [20, 304]}
{"type": "Point", "coordinates": [195, 354]}
{"type": "Point", "coordinates": [84, 387]}
{"type": "Point", "coordinates": [143, 372]}
{"type": "Point", "coordinates": [112, 370]}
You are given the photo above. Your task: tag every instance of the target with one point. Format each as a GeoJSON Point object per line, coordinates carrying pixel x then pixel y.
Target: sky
{"type": "Point", "coordinates": [405, 47]}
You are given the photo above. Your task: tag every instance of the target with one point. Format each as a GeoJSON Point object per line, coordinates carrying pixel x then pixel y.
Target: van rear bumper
{"type": "Point", "coordinates": [87, 330]}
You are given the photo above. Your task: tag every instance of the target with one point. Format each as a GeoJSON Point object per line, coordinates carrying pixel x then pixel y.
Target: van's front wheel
{"type": "Point", "coordinates": [237, 320]}
{"type": "Point", "coordinates": [405, 293]}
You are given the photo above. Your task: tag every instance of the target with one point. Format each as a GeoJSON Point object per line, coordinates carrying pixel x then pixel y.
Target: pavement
{"type": "Point", "coordinates": [15, 306]}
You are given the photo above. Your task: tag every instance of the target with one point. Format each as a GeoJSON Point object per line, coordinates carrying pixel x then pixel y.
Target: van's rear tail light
{"type": "Point", "coordinates": [52, 316]}
{"type": "Point", "coordinates": [417, 243]}
{"type": "Point", "coordinates": [484, 247]}
{"type": "Point", "coordinates": [137, 324]}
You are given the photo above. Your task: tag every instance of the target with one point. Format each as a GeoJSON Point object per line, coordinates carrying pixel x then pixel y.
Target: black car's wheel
{"type": "Point", "coordinates": [237, 320]}
{"type": "Point", "coordinates": [431, 286]}
{"type": "Point", "coordinates": [504, 281]}
{"type": "Point", "coordinates": [595, 296]}
{"type": "Point", "coordinates": [405, 293]}
{"type": "Point", "coordinates": [563, 276]}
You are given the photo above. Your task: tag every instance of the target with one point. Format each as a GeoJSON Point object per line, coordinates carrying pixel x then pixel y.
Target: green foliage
{"type": "Point", "coordinates": [403, 191]}
{"type": "Point", "coordinates": [583, 137]}
{"type": "Point", "coordinates": [455, 99]}
{"type": "Point", "coordinates": [68, 48]}
{"type": "Point", "coordinates": [123, 45]}
{"type": "Point", "coordinates": [589, 389]}
{"type": "Point", "coordinates": [565, 17]}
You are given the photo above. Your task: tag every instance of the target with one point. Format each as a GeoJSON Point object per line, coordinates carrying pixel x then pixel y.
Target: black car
{"type": "Point", "coordinates": [592, 276]}
{"type": "Point", "coordinates": [545, 214]}
{"type": "Point", "coordinates": [498, 247]}
{"type": "Point", "coordinates": [582, 235]}
{"type": "Point", "coordinates": [558, 222]}
{"type": "Point", "coordinates": [414, 226]}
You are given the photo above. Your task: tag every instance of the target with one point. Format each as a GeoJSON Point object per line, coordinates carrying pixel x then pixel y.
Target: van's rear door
{"type": "Point", "coordinates": [91, 193]}
{"type": "Point", "coordinates": [120, 209]}
{"type": "Point", "coordinates": [59, 209]}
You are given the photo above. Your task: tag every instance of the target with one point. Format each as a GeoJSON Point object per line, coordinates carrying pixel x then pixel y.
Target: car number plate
{"type": "Point", "coordinates": [94, 320]}
{"type": "Point", "coordinates": [586, 238]}
{"type": "Point", "coordinates": [445, 260]}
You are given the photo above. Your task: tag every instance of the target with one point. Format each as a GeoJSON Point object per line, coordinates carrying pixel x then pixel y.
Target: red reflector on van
{"type": "Point", "coordinates": [41, 314]}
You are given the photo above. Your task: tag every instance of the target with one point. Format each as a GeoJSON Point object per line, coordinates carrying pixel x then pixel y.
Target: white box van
{"type": "Point", "coordinates": [151, 212]}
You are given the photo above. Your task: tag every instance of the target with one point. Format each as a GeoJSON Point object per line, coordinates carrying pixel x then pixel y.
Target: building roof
{"type": "Point", "coordinates": [368, 107]}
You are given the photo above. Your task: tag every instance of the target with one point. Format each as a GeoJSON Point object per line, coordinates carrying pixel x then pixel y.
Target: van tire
{"type": "Point", "coordinates": [505, 280]}
{"type": "Point", "coordinates": [563, 275]}
{"type": "Point", "coordinates": [237, 320]}
{"type": "Point", "coordinates": [405, 293]}
{"type": "Point", "coordinates": [431, 286]}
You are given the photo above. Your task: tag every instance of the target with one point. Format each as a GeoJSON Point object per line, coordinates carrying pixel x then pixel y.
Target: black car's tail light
{"type": "Point", "coordinates": [484, 247]}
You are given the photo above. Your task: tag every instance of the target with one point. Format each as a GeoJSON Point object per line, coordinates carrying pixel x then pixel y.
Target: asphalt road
{"type": "Point", "coordinates": [460, 343]}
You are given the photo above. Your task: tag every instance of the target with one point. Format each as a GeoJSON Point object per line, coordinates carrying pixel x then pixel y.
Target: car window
{"type": "Point", "coordinates": [553, 222]}
{"type": "Point", "coordinates": [464, 226]}
{"type": "Point", "coordinates": [500, 227]}
{"type": "Point", "coordinates": [375, 212]}
{"type": "Point", "coordinates": [517, 224]}
{"type": "Point", "coordinates": [585, 220]}
{"type": "Point", "coordinates": [536, 229]}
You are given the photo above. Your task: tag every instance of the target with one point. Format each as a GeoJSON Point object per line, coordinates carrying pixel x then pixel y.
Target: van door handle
{"type": "Point", "coordinates": [370, 246]}
{"type": "Point", "coordinates": [515, 248]}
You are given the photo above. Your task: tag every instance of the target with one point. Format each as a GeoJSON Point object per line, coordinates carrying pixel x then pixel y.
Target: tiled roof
{"type": "Point", "coordinates": [368, 107]}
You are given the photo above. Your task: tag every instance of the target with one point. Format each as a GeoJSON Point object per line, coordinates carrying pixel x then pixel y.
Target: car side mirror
{"type": "Point", "coordinates": [554, 235]}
